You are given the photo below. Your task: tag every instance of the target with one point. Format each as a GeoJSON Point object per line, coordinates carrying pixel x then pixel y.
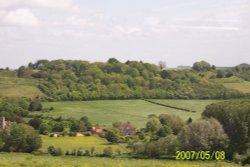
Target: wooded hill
{"type": "Point", "coordinates": [82, 80]}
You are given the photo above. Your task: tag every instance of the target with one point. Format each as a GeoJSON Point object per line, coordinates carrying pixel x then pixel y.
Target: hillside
{"type": "Point", "coordinates": [64, 80]}
{"type": "Point", "coordinates": [18, 87]}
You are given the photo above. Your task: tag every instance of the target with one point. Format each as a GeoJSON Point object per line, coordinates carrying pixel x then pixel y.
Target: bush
{"type": "Point", "coordinates": [55, 151]}
{"type": "Point", "coordinates": [108, 152]}
{"type": "Point", "coordinates": [242, 159]}
{"type": "Point", "coordinates": [79, 152]}
{"type": "Point", "coordinates": [20, 138]}
{"type": "Point", "coordinates": [87, 153]}
{"type": "Point", "coordinates": [111, 136]}
{"type": "Point", "coordinates": [35, 106]}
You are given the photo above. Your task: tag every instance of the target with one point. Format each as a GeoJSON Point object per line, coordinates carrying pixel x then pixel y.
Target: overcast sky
{"type": "Point", "coordinates": [178, 32]}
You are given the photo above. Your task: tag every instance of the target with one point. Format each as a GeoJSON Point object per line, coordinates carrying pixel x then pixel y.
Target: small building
{"type": "Point", "coordinates": [96, 130]}
{"type": "Point", "coordinates": [78, 134]}
{"type": "Point", "coordinates": [128, 129]}
{"type": "Point", "coordinates": [53, 135]}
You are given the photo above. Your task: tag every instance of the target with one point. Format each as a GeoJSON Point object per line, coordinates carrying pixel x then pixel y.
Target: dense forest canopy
{"type": "Point", "coordinates": [82, 80]}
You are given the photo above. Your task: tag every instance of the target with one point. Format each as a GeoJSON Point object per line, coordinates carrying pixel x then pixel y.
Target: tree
{"type": "Point", "coordinates": [153, 125]}
{"type": "Point", "coordinates": [173, 121]}
{"type": "Point", "coordinates": [35, 106]}
{"type": "Point", "coordinates": [113, 61]}
{"type": "Point", "coordinates": [202, 66]}
{"type": "Point", "coordinates": [168, 145]}
{"type": "Point", "coordinates": [234, 116]}
{"type": "Point", "coordinates": [111, 136]}
{"type": "Point", "coordinates": [162, 65]}
{"type": "Point", "coordinates": [35, 123]}
{"type": "Point", "coordinates": [45, 128]}
{"type": "Point", "coordinates": [203, 135]}
{"type": "Point", "coordinates": [24, 72]}
{"type": "Point", "coordinates": [20, 138]}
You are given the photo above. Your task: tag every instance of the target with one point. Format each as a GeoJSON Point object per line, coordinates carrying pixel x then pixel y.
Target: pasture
{"type": "Point", "coordinates": [105, 112]}
{"type": "Point", "coordinates": [27, 160]}
{"type": "Point", "coordinates": [17, 87]}
{"type": "Point", "coordinates": [240, 86]}
{"type": "Point", "coordinates": [86, 142]}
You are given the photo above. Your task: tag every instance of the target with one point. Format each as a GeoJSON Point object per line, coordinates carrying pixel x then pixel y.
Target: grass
{"type": "Point", "coordinates": [27, 160]}
{"type": "Point", "coordinates": [105, 112]}
{"type": "Point", "coordinates": [86, 142]}
{"type": "Point", "coordinates": [17, 87]}
{"type": "Point", "coordinates": [241, 86]}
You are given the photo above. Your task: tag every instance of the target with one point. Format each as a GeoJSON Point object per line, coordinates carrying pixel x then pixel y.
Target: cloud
{"type": "Point", "coordinates": [152, 21]}
{"type": "Point", "coordinates": [223, 28]}
{"type": "Point", "coordinates": [20, 17]}
{"type": "Point", "coordinates": [127, 30]}
{"type": "Point", "coordinates": [54, 4]}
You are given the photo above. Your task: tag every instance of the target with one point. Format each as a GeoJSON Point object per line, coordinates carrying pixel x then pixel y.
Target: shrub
{"type": "Point", "coordinates": [79, 152]}
{"type": "Point", "coordinates": [108, 152]}
{"type": "Point", "coordinates": [20, 138]}
{"type": "Point", "coordinates": [35, 106]}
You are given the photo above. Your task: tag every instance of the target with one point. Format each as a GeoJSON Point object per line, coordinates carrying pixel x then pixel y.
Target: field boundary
{"type": "Point", "coordinates": [169, 106]}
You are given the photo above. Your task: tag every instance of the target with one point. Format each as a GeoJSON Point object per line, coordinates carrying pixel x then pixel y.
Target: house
{"type": "Point", "coordinates": [127, 129]}
{"type": "Point", "coordinates": [96, 130]}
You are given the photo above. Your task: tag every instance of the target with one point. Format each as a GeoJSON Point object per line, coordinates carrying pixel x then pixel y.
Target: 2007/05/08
{"type": "Point", "coordinates": [200, 155]}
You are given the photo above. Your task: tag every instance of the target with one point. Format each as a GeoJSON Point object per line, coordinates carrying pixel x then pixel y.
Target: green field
{"type": "Point", "coordinates": [241, 86]}
{"type": "Point", "coordinates": [86, 142]}
{"type": "Point", "coordinates": [29, 160]}
{"type": "Point", "coordinates": [17, 87]}
{"type": "Point", "coordinates": [105, 112]}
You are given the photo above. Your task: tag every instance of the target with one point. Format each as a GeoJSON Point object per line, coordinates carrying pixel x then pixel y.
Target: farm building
{"type": "Point", "coordinates": [128, 129]}
{"type": "Point", "coordinates": [96, 130]}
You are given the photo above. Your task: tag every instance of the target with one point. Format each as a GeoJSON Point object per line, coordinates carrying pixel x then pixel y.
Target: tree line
{"type": "Point", "coordinates": [82, 80]}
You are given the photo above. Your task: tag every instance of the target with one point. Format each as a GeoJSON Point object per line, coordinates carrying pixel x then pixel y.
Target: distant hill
{"type": "Point", "coordinates": [82, 80]}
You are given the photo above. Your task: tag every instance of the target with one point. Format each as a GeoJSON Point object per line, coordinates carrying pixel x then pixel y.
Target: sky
{"type": "Point", "coordinates": [179, 32]}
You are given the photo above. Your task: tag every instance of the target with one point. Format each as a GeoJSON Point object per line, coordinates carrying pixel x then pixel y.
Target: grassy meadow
{"type": "Point", "coordinates": [105, 112]}
{"type": "Point", "coordinates": [17, 87]}
{"type": "Point", "coordinates": [27, 160]}
{"type": "Point", "coordinates": [85, 142]}
{"type": "Point", "coordinates": [241, 86]}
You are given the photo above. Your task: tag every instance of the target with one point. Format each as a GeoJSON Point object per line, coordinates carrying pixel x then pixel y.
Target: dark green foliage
{"type": "Point", "coordinates": [81, 80]}
{"type": "Point", "coordinates": [242, 158]}
{"type": "Point", "coordinates": [202, 66]}
{"type": "Point", "coordinates": [13, 109]}
{"type": "Point", "coordinates": [111, 136]}
{"type": "Point", "coordinates": [35, 105]}
{"type": "Point", "coordinates": [235, 118]}
{"type": "Point", "coordinates": [20, 138]}
{"type": "Point", "coordinates": [45, 128]}
{"type": "Point", "coordinates": [35, 123]}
